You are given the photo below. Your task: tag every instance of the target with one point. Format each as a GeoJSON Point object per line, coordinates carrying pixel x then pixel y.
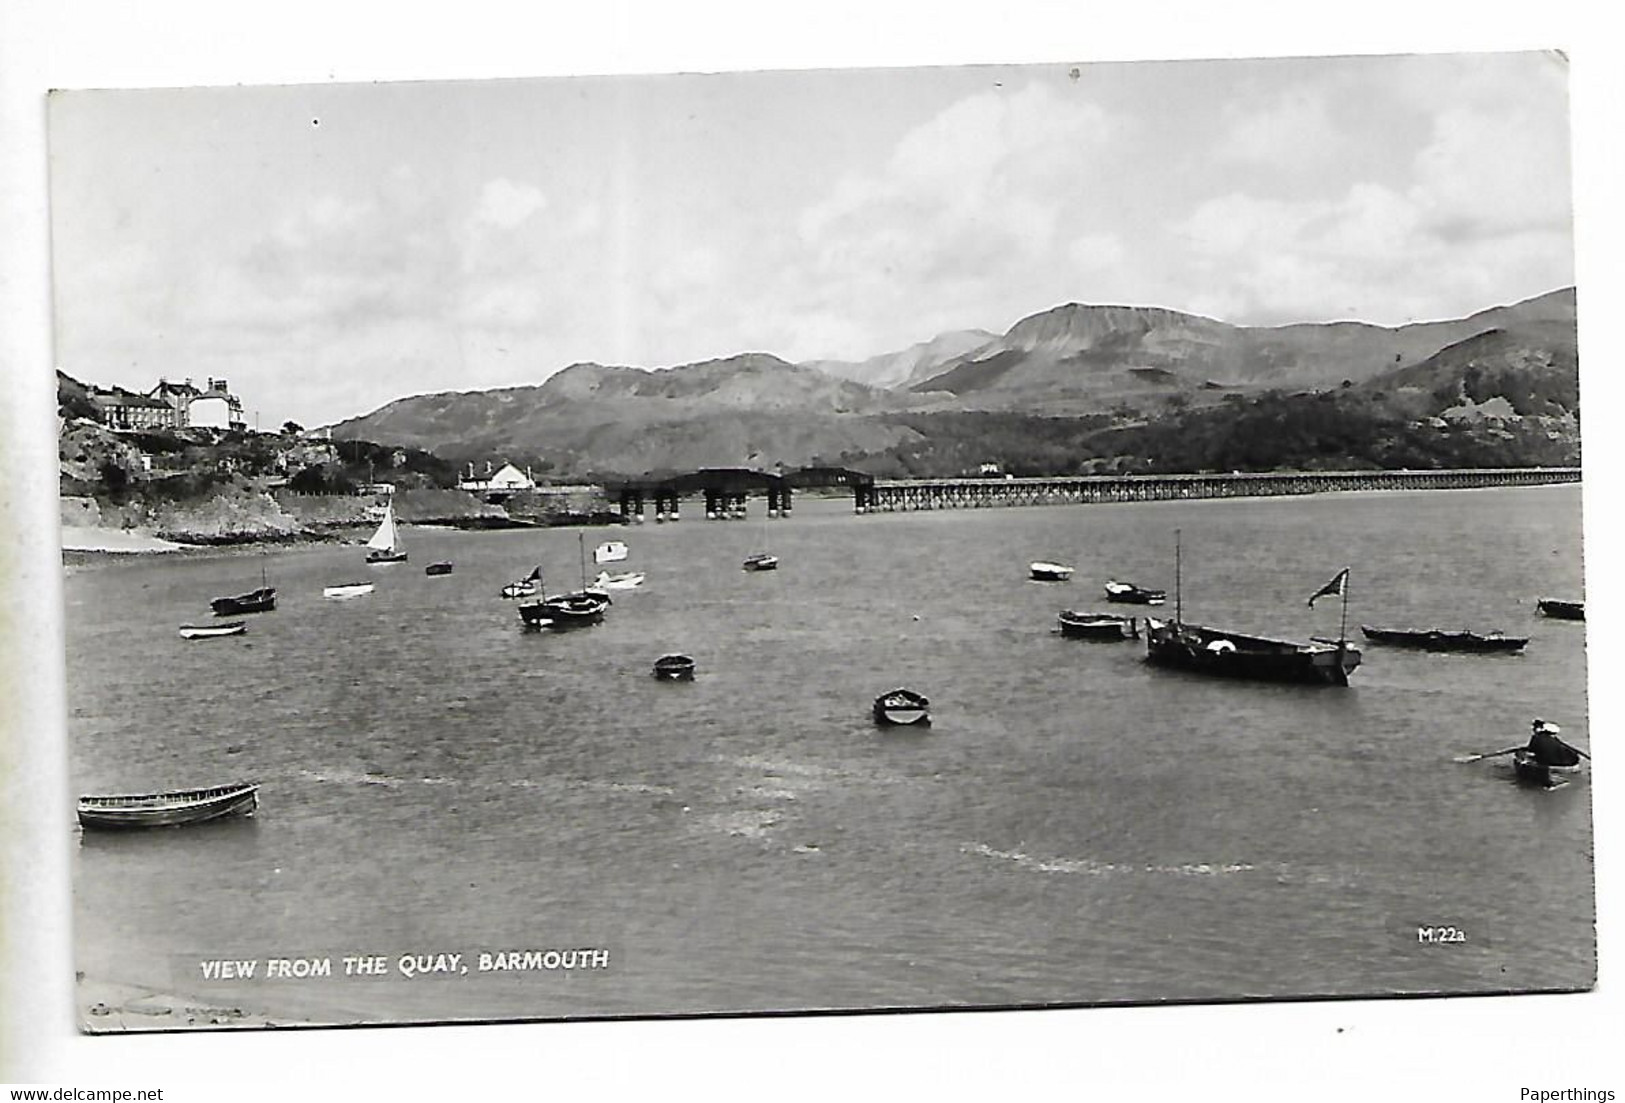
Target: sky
{"type": "Point", "coordinates": [330, 248]}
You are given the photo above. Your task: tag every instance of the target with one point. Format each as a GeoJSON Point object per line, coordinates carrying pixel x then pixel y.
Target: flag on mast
{"type": "Point", "coordinates": [1334, 588]}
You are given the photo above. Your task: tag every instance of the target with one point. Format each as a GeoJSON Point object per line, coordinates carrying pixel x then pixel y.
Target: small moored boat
{"type": "Point", "coordinates": [262, 600]}
{"type": "Point", "coordinates": [673, 668]}
{"type": "Point", "coordinates": [1098, 626]}
{"type": "Point", "coordinates": [1129, 594]}
{"type": "Point", "coordinates": [902, 706]}
{"type": "Point", "coordinates": [1049, 572]}
{"type": "Point", "coordinates": [209, 631]}
{"type": "Point", "coordinates": [761, 561]}
{"type": "Point", "coordinates": [624, 580]}
{"type": "Point", "coordinates": [1561, 609]}
{"type": "Point", "coordinates": [347, 590]}
{"type": "Point", "coordinates": [1435, 639]}
{"type": "Point", "coordinates": [437, 568]}
{"type": "Point", "coordinates": [170, 809]}
{"type": "Point", "coordinates": [529, 586]}
{"type": "Point", "coordinates": [1235, 655]}
{"type": "Point", "coordinates": [564, 610]}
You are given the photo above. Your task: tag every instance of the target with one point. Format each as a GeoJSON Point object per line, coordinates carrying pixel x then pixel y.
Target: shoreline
{"type": "Point", "coordinates": [107, 1007]}
{"type": "Point", "coordinates": [93, 544]}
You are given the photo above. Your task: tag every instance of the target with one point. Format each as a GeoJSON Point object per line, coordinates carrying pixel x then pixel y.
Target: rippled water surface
{"type": "Point", "coordinates": [1076, 826]}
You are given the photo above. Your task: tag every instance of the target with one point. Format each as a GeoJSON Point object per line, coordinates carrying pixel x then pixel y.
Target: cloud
{"type": "Point", "coordinates": [970, 203]}
{"type": "Point", "coordinates": [505, 204]}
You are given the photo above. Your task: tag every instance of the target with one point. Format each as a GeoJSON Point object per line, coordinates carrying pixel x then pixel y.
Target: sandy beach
{"type": "Point", "coordinates": [79, 538]}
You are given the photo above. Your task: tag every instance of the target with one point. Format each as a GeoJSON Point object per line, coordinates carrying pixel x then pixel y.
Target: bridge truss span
{"type": "Point", "coordinates": [904, 495]}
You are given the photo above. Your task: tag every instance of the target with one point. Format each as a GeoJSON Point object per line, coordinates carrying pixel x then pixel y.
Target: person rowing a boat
{"type": "Point", "coordinates": [1547, 748]}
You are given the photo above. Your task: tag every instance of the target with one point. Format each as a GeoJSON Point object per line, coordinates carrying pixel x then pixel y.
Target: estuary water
{"type": "Point", "coordinates": [1075, 827]}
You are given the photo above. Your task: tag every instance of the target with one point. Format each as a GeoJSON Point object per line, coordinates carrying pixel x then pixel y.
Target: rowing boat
{"type": "Point", "coordinates": [168, 809]}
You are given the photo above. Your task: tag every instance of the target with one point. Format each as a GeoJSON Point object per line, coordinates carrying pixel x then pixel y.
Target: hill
{"type": "Point", "coordinates": [1077, 358]}
{"type": "Point", "coordinates": [1063, 373]}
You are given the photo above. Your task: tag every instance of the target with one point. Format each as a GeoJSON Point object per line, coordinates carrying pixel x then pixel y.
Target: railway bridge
{"type": "Point", "coordinates": [897, 495]}
{"type": "Point", "coordinates": [727, 490]}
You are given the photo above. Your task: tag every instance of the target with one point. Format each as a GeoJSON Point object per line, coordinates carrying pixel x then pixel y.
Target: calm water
{"type": "Point", "coordinates": [1075, 827]}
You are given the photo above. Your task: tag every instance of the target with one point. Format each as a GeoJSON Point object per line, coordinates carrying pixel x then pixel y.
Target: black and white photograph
{"type": "Point", "coordinates": [1050, 536]}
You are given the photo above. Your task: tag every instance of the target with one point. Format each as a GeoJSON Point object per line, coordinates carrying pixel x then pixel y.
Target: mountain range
{"type": "Point", "coordinates": [1074, 361]}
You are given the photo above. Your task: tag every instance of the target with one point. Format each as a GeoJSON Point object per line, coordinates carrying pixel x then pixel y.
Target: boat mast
{"type": "Point", "coordinates": [1343, 627]}
{"type": "Point", "coordinates": [1179, 605]}
{"type": "Point", "coordinates": [581, 539]}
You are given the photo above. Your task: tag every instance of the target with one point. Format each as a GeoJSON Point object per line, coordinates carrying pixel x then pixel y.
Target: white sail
{"type": "Point", "coordinates": [611, 551]}
{"type": "Point", "coordinates": [385, 539]}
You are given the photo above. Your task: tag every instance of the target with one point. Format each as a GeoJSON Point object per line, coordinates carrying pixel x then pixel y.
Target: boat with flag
{"type": "Point", "coordinates": [385, 544]}
{"type": "Point", "coordinates": [1228, 654]}
{"type": "Point", "coordinates": [528, 586]}
{"type": "Point", "coordinates": [563, 611]}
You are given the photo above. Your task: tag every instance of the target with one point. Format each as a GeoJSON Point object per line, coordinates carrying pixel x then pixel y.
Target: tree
{"type": "Point", "coordinates": [292, 428]}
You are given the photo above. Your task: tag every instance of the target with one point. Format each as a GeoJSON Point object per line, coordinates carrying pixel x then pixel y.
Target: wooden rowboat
{"type": "Point", "coordinates": [171, 809]}
{"type": "Point", "coordinates": [1562, 610]}
{"type": "Point", "coordinates": [1130, 594]}
{"type": "Point", "coordinates": [1050, 572]}
{"type": "Point", "coordinates": [1435, 639]}
{"type": "Point", "coordinates": [348, 589]}
{"type": "Point", "coordinates": [1098, 626]}
{"type": "Point", "coordinates": [761, 562]}
{"type": "Point", "coordinates": [209, 631]}
{"type": "Point", "coordinates": [673, 668]}
{"type": "Point", "coordinates": [902, 706]}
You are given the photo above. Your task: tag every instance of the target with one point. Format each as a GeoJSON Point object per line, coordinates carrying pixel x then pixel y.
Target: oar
{"type": "Point", "coordinates": [1492, 754]}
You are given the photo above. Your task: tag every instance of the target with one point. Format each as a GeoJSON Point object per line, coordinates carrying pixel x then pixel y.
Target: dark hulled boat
{"type": "Point", "coordinates": [1435, 639]}
{"type": "Point", "coordinates": [1527, 767]}
{"type": "Point", "coordinates": [262, 600]}
{"type": "Point", "coordinates": [674, 668]}
{"type": "Point", "coordinates": [170, 809]}
{"type": "Point", "coordinates": [1260, 658]}
{"type": "Point", "coordinates": [1227, 654]}
{"type": "Point", "coordinates": [1097, 626]}
{"type": "Point", "coordinates": [1561, 609]}
{"type": "Point", "coordinates": [761, 562]}
{"type": "Point", "coordinates": [902, 707]}
{"type": "Point", "coordinates": [564, 610]}
{"type": "Point", "coordinates": [437, 569]}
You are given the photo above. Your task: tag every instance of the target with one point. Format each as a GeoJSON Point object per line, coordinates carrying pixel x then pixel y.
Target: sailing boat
{"type": "Point", "coordinates": [762, 561]}
{"type": "Point", "coordinates": [1219, 652]}
{"type": "Point", "coordinates": [386, 542]}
